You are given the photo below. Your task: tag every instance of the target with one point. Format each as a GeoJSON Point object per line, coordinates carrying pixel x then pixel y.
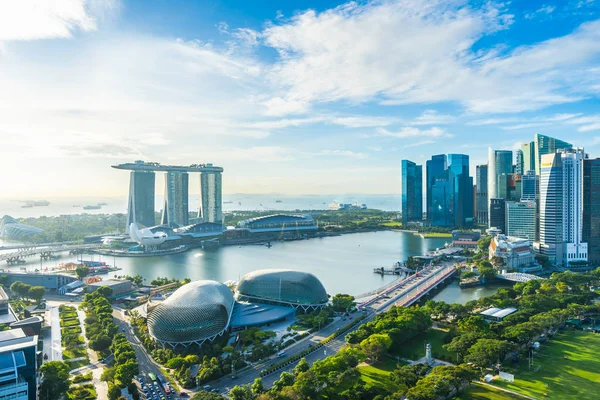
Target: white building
{"type": "Point", "coordinates": [521, 219]}
{"type": "Point", "coordinates": [561, 207]}
{"type": "Point", "coordinates": [516, 252]}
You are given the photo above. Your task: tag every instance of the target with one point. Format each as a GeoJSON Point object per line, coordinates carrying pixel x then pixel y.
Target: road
{"type": "Point", "coordinates": [55, 350]}
{"type": "Point", "coordinates": [146, 364]}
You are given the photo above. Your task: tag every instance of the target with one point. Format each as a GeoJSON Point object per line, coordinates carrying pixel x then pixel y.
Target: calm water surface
{"type": "Point", "coordinates": [343, 263]}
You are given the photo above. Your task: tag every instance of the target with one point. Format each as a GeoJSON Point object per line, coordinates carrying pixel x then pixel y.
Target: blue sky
{"type": "Point", "coordinates": [297, 97]}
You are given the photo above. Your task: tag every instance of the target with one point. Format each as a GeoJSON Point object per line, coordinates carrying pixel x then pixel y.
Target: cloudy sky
{"type": "Point", "coordinates": [295, 96]}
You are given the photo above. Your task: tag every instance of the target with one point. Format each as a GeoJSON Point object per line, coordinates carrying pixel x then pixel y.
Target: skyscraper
{"type": "Point", "coordinates": [519, 163]}
{"type": "Point", "coordinates": [19, 365]}
{"type": "Point", "coordinates": [412, 191]}
{"type": "Point", "coordinates": [520, 220]}
{"type": "Point", "coordinates": [499, 162]}
{"type": "Point", "coordinates": [458, 164]}
{"type": "Point", "coordinates": [546, 145]}
{"type": "Point", "coordinates": [498, 214]}
{"type": "Point", "coordinates": [561, 207]}
{"type": "Point", "coordinates": [442, 200]}
{"type": "Point", "coordinates": [591, 208]}
{"type": "Point", "coordinates": [434, 169]}
{"type": "Point", "coordinates": [481, 182]}
{"type": "Point", "coordinates": [529, 186]}
{"type": "Point", "coordinates": [175, 210]}
{"type": "Point", "coordinates": [528, 156]}
{"type": "Point", "coordinates": [211, 197]}
{"type": "Point", "coordinates": [140, 206]}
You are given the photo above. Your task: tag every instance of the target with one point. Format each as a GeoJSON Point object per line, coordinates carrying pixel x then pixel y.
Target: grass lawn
{"type": "Point", "coordinates": [415, 348]}
{"type": "Point", "coordinates": [436, 235]}
{"type": "Point", "coordinates": [574, 377]}
{"type": "Point", "coordinates": [477, 392]}
{"type": "Point", "coordinates": [69, 322]}
{"type": "Point", "coordinates": [77, 364]}
{"type": "Point", "coordinates": [393, 224]}
{"type": "Point", "coordinates": [378, 374]}
{"type": "Point", "coordinates": [75, 353]}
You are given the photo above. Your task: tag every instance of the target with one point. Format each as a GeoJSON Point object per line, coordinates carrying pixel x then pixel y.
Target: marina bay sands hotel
{"type": "Point", "coordinates": [175, 210]}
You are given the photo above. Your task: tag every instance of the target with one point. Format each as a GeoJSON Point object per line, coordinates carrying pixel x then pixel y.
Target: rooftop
{"type": "Point", "coordinates": [498, 313]}
{"type": "Point", "coordinates": [15, 339]}
{"type": "Point", "coordinates": [109, 282]}
{"type": "Point", "coordinates": [140, 165]}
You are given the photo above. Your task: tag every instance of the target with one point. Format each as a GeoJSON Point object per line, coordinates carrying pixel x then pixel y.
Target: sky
{"type": "Point", "coordinates": [291, 97]}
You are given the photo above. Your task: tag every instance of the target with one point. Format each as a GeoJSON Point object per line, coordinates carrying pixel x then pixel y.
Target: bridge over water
{"type": "Point", "coordinates": [518, 277]}
{"type": "Point", "coordinates": [44, 252]}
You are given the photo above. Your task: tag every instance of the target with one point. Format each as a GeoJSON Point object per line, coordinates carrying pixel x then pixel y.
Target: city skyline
{"type": "Point", "coordinates": [287, 98]}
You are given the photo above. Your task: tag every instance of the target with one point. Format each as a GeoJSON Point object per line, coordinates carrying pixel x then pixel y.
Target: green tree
{"type": "Point", "coordinates": [105, 291]}
{"type": "Point", "coordinates": [204, 395]}
{"type": "Point", "coordinates": [302, 366]}
{"type": "Point", "coordinates": [108, 375]}
{"type": "Point", "coordinates": [241, 393]}
{"type": "Point", "coordinates": [19, 289]}
{"type": "Point", "coordinates": [36, 293]}
{"type": "Point", "coordinates": [257, 387]}
{"type": "Point", "coordinates": [486, 352]}
{"type": "Point", "coordinates": [55, 381]}
{"type": "Point", "coordinates": [82, 272]}
{"type": "Point", "coordinates": [375, 346]}
{"type": "Point", "coordinates": [100, 342]}
{"type": "Point", "coordinates": [124, 373]}
{"type": "Point", "coordinates": [484, 243]}
{"type": "Point", "coordinates": [285, 379]}
{"type": "Point", "coordinates": [342, 302]}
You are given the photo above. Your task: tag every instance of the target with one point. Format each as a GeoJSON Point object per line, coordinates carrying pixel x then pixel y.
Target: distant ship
{"type": "Point", "coordinates": [41, 203]}
{"type": "Point", "coordinates": [27, 206]}
{"type": "Point", "coordinates": [76, 205]}
{"type": "Point", "coordinates": [96, 207]}
{"type": "Point", "coordinates": [103, 204]}
{"type": "Point", "coordinates": [278, 201]}
{"type": "Point", "coordinates": [228, 202]}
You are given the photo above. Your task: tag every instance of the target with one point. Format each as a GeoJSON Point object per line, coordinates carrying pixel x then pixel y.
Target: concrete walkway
{"type": "Point", "coordinates": [54, 351]}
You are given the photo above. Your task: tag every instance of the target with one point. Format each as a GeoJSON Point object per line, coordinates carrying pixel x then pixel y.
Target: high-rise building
{"type": "Point", "coordinates": [442, 199]}
{"type": "Point", "coordinates": [458, 164]}
{"type": "Point", "coordinates": [520, 220]}
{"type": "Point", "coordinates": [561, 207]}
{"type": "Point", "coordinates": [211, 192]}
{"type": "Point", "coordinates": [140, 207]}
{"type": "Point", "coordinates": [412, 191]}
{"type": "Point", "coordinates": [528, 157]}
{"type": "Point", "coordinates": [499, 162]}
{"type": "Point", "coordinates": [591, 208]}
{"type": "Point", "coordinates": [547, 145]}
{"type": "Point", "coordinates": [175, 211]}
{"type": "Point", "coordinates": [19, 365]}
{"type": "Point", "coordinates": [498, 214]}
{"type": "Point", "coordinates": [519, 163]}
{"type": "Point", "coordinates": [509, 187]}
{"type": "Point", "coordinates": [529, 186]}
{"type": "Point", "coordinates": [434, 168]}
{"type": "Point", "coordinates": [481, 182]}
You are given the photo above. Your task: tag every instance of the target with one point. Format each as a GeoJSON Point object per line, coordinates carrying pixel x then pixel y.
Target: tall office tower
{"type": "Point", "coordinates": [458, 164]}
{"type": "Point", "coordinates": [442, 200]}
{"type": "Point", "coordinates": [498, 214]}
{"type": "Point", "coordinates": [434, 168]}
{"type": "Point", "coordinates": [520, 220]}
{"type": "Point", "coordinates": [509, 187]}
{"type": "Point", "coordinates": [19, 365]}
{"type": "Point", "coordinates": [591, 208]}
{"type": "Point", "coordinates": [140, 207]}
{"type": "Point", "coordinates": [529, 186]}
{"type": "Point", "coordinates": [546, 145]}
{"type": "Point", "coordinates": [561, 207]}
{"type": "Point", "coordinates": [412, 191]}
{"type": "Point", "coordinates": [211, 191]}
{"type": "Point", "coordinates": [499, 162]}
{"type": "Point", "coordinates": [519, 164]}
{"type": "Point", "coordinates": [175, 210]}
{"type": "Point", "coordinates": [481, 202]}
{"type": "Point", "coordinates": [528, 156]}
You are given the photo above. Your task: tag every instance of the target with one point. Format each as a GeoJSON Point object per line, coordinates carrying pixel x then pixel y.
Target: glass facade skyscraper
{"type": "Point", "coordinates": [528, 156]}
{"type": "Point", "coordinates": [547, 145]}
{"type": "Point", "coordinates": [442, 200]}
{"type": "Point", "coordinates": [434, 169]}
{"type": "Point", "coordinates": [175, 210]}
{"type": "Point", "coordinates": [499, 162]}
{"type": "Point", "coordinates": [591, 208]}
{"type": "Point", "coordinates": [412, 191]}
{"type": "Point", "coordinates": [520, 220]}
{"type": "Point", "coordinates": [481, 197]}
{"type": "Point", "coordinates": [140, 206]}
{"type": "Point", "coordinates": [498, 214]}
{"type": "Point", "coordinates": [529, 186]}
{"type": "Point", "coordinates": [458, 164]}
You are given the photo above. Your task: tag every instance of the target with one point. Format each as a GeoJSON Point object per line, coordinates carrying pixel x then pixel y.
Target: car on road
{"type": "Point", "coordinates": [233, 377]}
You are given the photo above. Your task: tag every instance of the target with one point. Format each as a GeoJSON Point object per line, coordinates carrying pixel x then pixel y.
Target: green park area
{"type": "Point", "coordinates": [480, 392]}
{"type": "Point", "coordinates": [567, 367]}
{"type": "Point", "coordinates": [414, 348]}
{"type": "Point", "coordinates": [428, 235]}
{"type": "Point", "coordinates": [379, 374]}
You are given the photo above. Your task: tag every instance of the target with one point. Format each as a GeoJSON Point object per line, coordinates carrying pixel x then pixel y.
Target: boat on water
{"type": "Point", "coordinates": [27, 206]}
{"type": "Point", "coordinates": [228, 202]}
{"type": "Point", "coordinates": [396, 269]}
{"type": "Point", "coordinates": [102, 204]}
{"type": "Point", "coordinates": [93, 207]}
{"type": "Point", "coordinates": [278, 201]}
{"type": "Point", "coordinates": [76, 205]}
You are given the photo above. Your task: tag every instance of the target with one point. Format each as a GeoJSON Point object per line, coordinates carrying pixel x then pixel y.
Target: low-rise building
{"type": "Point", "coordinates": [516, 252]}
{"type": "Point", "coordinates": [119, 287]}
{"type": "Point", "coordinates": [465, 239]}
{"type": "Point", "coordinates": [18, 365]}
{"type": "Point", "coordinates": [279, 223]}
{"type": "Point", "coordinates": [495, 314]}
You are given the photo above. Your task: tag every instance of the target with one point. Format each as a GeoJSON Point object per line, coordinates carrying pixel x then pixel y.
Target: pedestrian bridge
{"type": "Point", "coordinates": [518, 277]}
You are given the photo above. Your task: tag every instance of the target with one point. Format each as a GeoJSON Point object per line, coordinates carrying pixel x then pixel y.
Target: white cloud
{"type": "Point", "coordinates": [421, 143]}
{"type": "Point", "coordinates": [542, 11]}
{"type": "Point", "coordinates": [587, 123]}
{"type": "Point", "coordinates": [31, 19]}
{"type": "Point", "coordinates": [409, 132]}
{"type": "Point", "coordinates": [364, 121]}
{"type": "Point", "coordinates": [340, 153]}
{"type": "Point", "coordinates": [526, 126]}
{"type": "Point", "coordinates": [432, 117]}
